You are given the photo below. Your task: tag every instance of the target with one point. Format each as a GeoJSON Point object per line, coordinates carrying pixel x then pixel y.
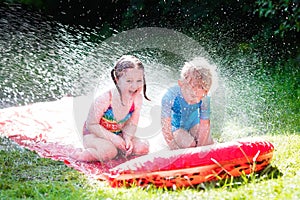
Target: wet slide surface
{"type": "Point", "coordinates": [49, 129]}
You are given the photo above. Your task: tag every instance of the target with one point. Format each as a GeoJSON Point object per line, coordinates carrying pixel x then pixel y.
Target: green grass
{"type": "Point", "coordinates": [25, 175]}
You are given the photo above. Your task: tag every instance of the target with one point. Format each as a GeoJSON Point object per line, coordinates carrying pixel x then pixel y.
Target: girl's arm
{"type": "Point", "coordinates": [130, 127]}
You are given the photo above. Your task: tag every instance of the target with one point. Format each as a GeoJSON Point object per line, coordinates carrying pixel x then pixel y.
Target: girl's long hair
{"type": "Point", "coordinates": [127, 62]}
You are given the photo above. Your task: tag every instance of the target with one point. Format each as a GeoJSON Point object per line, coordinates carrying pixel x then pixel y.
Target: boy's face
{"type": "Point", "coordinates": [192, 89]}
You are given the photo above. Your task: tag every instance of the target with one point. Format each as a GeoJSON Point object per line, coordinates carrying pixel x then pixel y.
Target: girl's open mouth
{"type": "Point", "coordinates": [133, 92]}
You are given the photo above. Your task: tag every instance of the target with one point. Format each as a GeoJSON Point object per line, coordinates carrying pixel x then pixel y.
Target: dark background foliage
{"type": "Point", "coordinates": [266, 26]}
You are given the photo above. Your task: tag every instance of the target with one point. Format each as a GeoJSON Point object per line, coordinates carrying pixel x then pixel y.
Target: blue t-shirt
{"type": "Point", "coordinates": [183, 115]}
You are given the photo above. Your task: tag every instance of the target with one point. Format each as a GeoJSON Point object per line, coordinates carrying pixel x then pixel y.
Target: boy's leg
{"type": "Point", "coordinates": [202, 134]}
{"type": "Point", "coordinates": [184, 139]}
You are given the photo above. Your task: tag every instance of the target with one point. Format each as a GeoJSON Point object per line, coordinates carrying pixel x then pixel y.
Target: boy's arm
{"type": "Point", "coordinates": [204, 136]}
{"type": "Point", "coordinates": [167, 133]}
{"type": "Point", "coordinates": [166, 103]}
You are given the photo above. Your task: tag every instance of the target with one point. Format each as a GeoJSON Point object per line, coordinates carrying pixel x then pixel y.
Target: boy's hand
{"type": "Point", "coordinates": [184, 139]}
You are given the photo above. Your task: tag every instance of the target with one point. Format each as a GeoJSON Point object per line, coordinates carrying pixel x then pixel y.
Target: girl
{"type": "Point", "coordinates": [113, 117]}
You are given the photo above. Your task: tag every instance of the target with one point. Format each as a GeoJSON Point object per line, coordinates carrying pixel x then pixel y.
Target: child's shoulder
{"type": "Point", "coordinates": [175, 90]}
{"type": "Point", "coordinates": [172, 92]}
{"type": "Point", "coordinates": [104, 98]}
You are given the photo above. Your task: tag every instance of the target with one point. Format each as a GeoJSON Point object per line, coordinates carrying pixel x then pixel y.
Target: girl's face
{"type": "Point", "coordinates": [192, 90]}
{"type": "Point", "coordinates": [131, 82]}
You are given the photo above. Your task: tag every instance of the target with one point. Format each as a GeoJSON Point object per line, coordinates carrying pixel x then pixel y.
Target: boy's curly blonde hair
{"type": "Point", "coordinates": [199, 71]}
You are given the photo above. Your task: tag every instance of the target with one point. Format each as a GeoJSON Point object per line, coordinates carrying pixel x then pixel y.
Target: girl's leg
{"type": "Point", "coordinates": [96, 149]}
{"type": "Point", "coordinates": [87, 155]}
{"type": "Point", "coordinates": [140, 147]}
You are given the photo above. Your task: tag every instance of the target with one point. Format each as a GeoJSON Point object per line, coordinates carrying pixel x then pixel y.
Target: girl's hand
{"type": "Point", "coordinates": [119, 142]}
{"type": "Point", "coordinates": [128, 145]}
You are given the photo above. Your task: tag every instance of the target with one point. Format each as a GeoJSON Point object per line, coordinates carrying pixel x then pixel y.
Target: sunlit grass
{"type": "Point", "coordinates": [26, 175]}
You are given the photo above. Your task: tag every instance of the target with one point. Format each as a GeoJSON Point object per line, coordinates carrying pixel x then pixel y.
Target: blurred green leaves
{"type": "Point", "coordinates": [284, 14]}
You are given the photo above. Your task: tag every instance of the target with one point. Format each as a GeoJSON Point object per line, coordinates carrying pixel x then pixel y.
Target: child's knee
{"type": "Point", "coordinates": [105, 154]}
{"type": "Point", "coordinates": [184, 139]}
{"type": "Point", "coordinates": [141, 148]}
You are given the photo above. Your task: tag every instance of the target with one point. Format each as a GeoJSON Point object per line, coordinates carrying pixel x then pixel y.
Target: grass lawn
{"type": "Point", "coordinates": [25, 175]}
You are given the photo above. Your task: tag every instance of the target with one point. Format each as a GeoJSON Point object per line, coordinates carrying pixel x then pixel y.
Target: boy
{"type": "Point", "coordinates": [185, 115]}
